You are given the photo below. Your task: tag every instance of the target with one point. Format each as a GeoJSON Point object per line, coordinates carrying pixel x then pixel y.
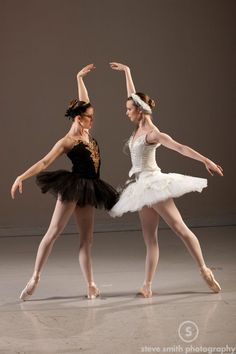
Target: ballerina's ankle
{"type": "Point", "coordinates": [92, 284]}
{"type": "Point", "coordinates": [146, 290]}
{"type": "Point", "coordinates": [147, 284]}
{"type": "Point", "coordinates": [36, 275]}
{"type": "Point", "coordinates": [203, 267]}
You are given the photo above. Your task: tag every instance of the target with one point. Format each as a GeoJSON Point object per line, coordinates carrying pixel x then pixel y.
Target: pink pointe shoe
{"type": "Point", "coordinates": [93, 291]}
{"type": "Point", "coordinates": [30, 288]}
{"type": "Point", "coordinates": [210, 279]}
{"type": "Point", "coordinates": [146, 290]}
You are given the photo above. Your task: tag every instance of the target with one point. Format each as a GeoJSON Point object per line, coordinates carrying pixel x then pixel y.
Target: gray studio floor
{"type": "Point", "coordinates": [59, 319]}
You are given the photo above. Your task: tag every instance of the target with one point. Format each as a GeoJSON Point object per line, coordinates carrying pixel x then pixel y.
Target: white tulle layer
{"type": "Point", "coordinates": [153, 187]}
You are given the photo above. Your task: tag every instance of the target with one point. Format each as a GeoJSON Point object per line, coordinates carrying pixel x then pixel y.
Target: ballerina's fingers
{"type": "Point", "coordinates": [20, 187]}
{"type": "Point", "coordinates": [209, 170]}
{"type": "Point", "coordinates": [116, 66]}
{"type": "Point", "coordinates": [215, 168]}
{"type": "Point", "coordinates": [14, 189]}
{"type": "Point", "coordinates": [113, 66]}
{"type": "Point", "coordinates": [220, 170]}
{"type": "Point", "coordinates": [86, 70]}
{"type": "Point", "coordinates": [88, 67]}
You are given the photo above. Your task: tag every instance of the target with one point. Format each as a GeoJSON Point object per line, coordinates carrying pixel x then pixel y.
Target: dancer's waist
{"type": "Point", "coordinates": [139, 172]}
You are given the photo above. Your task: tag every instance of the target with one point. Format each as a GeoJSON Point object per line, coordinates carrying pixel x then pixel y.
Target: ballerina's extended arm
{"type": "Point", "coordinates": [82, 91]}
{"type": "Point", "coordinates": [57, 150]}
{"type": "Point", "coordinates": [155, 136]}
{"type": "Point", "coordinates": [129, 81]}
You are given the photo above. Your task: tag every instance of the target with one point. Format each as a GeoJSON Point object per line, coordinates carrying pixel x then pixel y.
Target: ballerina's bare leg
{"type": "Point", "coordinates": [85, 221]}
{"type": "Point", "coordinates": [149, 219]}
{"type": "Point", "coordinates": [60, 218]}
{"type": "Point", "coordinates": [171, 215]}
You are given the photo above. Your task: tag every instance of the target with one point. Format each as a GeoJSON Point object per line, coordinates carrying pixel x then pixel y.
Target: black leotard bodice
{"type": "Point", "coordinates": [85, 158]}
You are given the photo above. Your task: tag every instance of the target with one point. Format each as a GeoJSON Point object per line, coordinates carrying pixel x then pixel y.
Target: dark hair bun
{"type": "Point", "coordinates": [151, 103]}
{"type": "Point", "coordinates": [146, 99]}
{"type": "Point", "coordinates": [76, 108]}
{"type": "Point", "coordinates": [73, 103]}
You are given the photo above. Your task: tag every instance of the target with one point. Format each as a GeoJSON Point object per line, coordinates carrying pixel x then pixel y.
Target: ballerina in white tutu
{"type": "Point", "coordinates": [151, 192]}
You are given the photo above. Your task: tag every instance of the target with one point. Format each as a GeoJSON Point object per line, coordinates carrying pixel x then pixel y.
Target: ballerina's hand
{"type": "Point", "coordinates": [16, 185]}
{"type": "Point", "coordinates": [212, 167]}
{"type": "Point", "coordinates": [85, 70]}
{"type": "Point", "coordinates": [118, 66]}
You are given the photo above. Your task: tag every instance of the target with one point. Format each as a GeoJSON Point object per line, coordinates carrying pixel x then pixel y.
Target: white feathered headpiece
{"type": "Point", "coordinates": [143, 105]}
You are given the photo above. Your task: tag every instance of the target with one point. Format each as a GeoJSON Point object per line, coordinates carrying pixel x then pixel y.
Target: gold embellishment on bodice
{"type": "Point", "coordinates": [93, 148]}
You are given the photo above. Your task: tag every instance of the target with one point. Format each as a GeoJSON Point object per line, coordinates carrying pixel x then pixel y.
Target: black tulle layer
{"type": "Point", "coordinates": [70, 187]}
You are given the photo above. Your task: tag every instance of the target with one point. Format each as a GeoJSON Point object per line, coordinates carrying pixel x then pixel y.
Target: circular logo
{"type": "Point", "coordinates": [188, 331]}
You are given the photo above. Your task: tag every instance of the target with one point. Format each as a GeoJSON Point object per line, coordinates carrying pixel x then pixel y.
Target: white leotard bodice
{"type": "Point", "coordinates": [143, 155]}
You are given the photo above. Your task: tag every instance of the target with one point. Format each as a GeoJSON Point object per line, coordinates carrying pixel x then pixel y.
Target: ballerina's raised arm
{"type": "Point", "coordinates": [128, 77]}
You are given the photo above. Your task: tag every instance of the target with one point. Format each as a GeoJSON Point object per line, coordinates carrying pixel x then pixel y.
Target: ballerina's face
{"type": "Point", "coordinates": [87, 118]}
{"type": "Point", "coordinates": [132, 111]}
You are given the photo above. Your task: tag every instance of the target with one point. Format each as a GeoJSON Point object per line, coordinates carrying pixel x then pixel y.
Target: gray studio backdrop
{"type": "Point", "coordinates": [182, 53]}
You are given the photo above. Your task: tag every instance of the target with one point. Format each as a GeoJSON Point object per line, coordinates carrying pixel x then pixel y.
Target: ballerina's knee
{"type": "Point", "coordinates": [179, 229]}
{"type": "Point", "coordinates": [54, 232]}
{"type": "Point", "coordinates": [86, 242]}
{"type": "Point", "coordinates": [150, 239]}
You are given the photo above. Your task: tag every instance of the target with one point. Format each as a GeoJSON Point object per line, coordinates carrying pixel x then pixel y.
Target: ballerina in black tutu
{"type": "Point", "coordinates": [78, 191]}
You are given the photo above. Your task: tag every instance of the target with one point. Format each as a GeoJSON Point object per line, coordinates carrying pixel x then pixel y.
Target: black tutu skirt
{"type": "Point", "coordinates": [70, 187]}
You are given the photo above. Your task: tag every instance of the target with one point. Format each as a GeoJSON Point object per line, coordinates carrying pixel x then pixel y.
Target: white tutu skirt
{"type": "Point", "coordinates": [151, 187]}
